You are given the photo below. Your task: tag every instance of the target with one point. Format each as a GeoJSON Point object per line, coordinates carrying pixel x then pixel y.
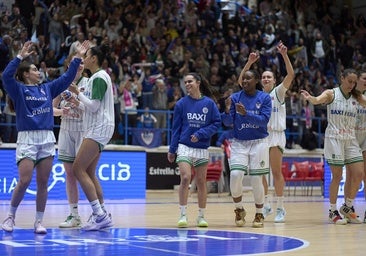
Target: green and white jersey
{"type": "Point", "coordinates": [277, 122]}
{"type": "Point", "coordinates": [361, 118]}
{"type": "Point", "coordinates": [101, 122]}
{"type": "Point", "coordinates": [73, 121]}
{"type": "Point", "coordinates": [342, 116]}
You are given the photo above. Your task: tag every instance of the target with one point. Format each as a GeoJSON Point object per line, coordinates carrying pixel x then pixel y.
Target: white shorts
{"type": "Point", "coordinates": [361, 138]}
{"type": "Point", "coordinates": [68, 144]}
{"type": "Point", "coordinates": [250, 156]}
{"type": "Point", "coordinates": [102, 137]}
{"type": "Point", "coordinates": [193, 156]}
{"type": "Point", "coordinates": [277, 139]}
{"type": "Point", "coordinates": [341, 152]}
{"type": "Point", "coordinates": [34, 152]}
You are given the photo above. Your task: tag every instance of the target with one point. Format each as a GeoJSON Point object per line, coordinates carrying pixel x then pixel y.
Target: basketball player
{"type": "Point", "coordinates": [34, 120]}
{"type": "Point", "coordinates": [196, 119]}
{"type": "Point", "coordinates": [249, 111]}
{"type": "Point", "coordinates": [276, 127]}
{"type": "Point", "coordinates": [340, 144]}
{"type": "Point", "coordinates": [69, 141]}
{"type": "Point", "coordinates": [99, 126]}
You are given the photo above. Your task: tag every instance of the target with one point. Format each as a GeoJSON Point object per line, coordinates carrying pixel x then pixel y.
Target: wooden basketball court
{"type": "Point", "coordinates": [306, 219]}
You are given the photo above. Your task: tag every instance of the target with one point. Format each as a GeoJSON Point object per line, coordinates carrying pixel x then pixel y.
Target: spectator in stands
{"type": "Point", "coordinates": [160, 102]}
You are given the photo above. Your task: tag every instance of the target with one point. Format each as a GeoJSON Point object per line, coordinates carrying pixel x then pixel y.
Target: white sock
{"type": "Point", "coordinates": [349, 202]}
{"type": "Point", "coordinates": [39, 216]}
{"type": "Point", "coordinates": [12, 211]}
{"type": "Point", "coordinates": [183, 209]}
{"type": "Point", "coordinates": [74, 209]}
{"type": "Point", "coordinates": [201, 212]}
{"type": "Point", "coordinates": [280, 202]}
{"type": "Point", "coordinates": [259, 210]}
{"type": "Point", "coordinates": [333, 207]}
{"type": "Point", "coordinates": [238, 205]}
{"type": "Point", "coordinates": [97, 209]}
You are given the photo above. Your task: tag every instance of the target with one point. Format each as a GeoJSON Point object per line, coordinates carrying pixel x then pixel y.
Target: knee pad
{"type": "Point", "coordinates": [236, 183]}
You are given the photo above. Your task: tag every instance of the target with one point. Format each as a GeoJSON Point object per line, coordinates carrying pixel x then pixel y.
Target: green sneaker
{"type": "Point", "coordinates": [201, 222]}
{"type": "Point", "coordinates": [182, 222]}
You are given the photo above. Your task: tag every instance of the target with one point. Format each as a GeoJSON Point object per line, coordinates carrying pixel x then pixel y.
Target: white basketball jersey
{"type": "Point", "coordinates": [361, 118]}
{"type": "Point", "coordinates": [342, 116]}
{"type": "Point", "coordinates": [277, 122]}
{"type": "Point", "coordinates": [73, 121]}
{"type": "Point", "coordinates": [102, 121]}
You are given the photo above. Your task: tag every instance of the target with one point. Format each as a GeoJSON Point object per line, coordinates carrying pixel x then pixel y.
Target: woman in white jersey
{"type": "Point", "coordinates": [276, 127]}
{"type": "Point", "coordinates": [360, 135]}
{"type": "Point", "coordinates": [69, 141]}
{"type": "Point", "coordinates": [99, 127]}
{"type": "Point", "coordinates": [340, 144]}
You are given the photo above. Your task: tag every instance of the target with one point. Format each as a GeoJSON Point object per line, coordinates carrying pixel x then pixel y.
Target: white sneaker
{"type": "Point", "coordinates": [96, 222]}
{"type": "Point", "coordinates": [267, 210]}
{"type": "Point", "coordinates": [201, 222]}
{"type": "Point", "coordinates": [350, 214]}
{"type": "Point", "coordinates": [38, 228]}
{"type": "Point", "coordinates": [182, 222]}
{"type": "Point", "coordinates": [280, 215]}
{"type": "Point", "coordinates": [8, 224]}
{"type": "Point", "coordinates": [71, 222]}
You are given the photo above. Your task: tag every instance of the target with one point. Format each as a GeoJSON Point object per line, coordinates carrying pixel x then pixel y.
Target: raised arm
{"type": "Point", "coordinates": [252, 58]}
{"type": "Point", "coordinates": [287, 81]}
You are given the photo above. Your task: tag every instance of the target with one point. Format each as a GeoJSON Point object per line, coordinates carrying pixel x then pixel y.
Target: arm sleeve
{"type": "Point", "coordinates": [93, 105]}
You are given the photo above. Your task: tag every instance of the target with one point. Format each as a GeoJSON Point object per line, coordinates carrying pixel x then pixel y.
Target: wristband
{"type": "Point", "coordinates": [19, 57]}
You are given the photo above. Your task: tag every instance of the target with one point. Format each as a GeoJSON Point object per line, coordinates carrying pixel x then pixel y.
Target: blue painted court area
{"type": "Point", "coordinates": [142, 241]}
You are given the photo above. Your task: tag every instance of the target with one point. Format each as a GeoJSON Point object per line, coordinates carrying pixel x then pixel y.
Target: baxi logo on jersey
{"type": "Point", "coordinates": [121, 176]}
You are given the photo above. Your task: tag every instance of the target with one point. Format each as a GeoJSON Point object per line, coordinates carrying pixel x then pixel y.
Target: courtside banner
{"type": "Point", "coordinates": [122, 175]}
{"type": "Point", "coordinates": [160, 174]}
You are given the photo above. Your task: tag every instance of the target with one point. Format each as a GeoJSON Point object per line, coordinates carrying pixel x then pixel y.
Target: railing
{"type": "Point", "coordinates": [167, 130]}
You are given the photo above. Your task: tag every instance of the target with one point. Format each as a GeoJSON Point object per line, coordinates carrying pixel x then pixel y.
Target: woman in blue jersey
{"type": "Point", "coordinates": [276, 127]}
{"type": "Point", "coordinates": [69, 141]}
{"type": "Point", "coordinates": [340, 144]}
{"type": "Point", "coordinates": [34, 120]}
{"type": "Point", "coordinates": [196, 119]}
{"type": "Point", "coordinates": [98, 119]}
{"type": "Point", "coordinates": [248, 111]}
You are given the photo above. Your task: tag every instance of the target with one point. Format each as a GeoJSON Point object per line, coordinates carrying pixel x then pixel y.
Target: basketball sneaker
{"type": "Point", "coordinates": [280, 215]}
{"type": "Point", "coordinates": [8, 224]}
{"type": "Point", "coordinates": [267, 210]}
{"type": "Point", "coordinates": [71, 222]}
{"type": "Point", "coordinates": [364, 218]}
{"type": "Point", "coordinates": [258, 220]}
{"type": "Point", "coordinates": [97, 222]}
{"type": "Point", "coordinates": [182, 222]}
{"type": "Point", "coordinates": [240, 217]}
{"type": "Point", "coordinates": [39, 229]}
{"type": "Point", "coordinates": [201, 222]}
{"type": "Point", "coordinates": [349, 214]}
{"type": "Point", "coordinates": [335, 217]}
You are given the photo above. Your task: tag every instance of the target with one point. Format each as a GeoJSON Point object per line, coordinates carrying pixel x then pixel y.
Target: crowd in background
{"type": "Point", "coordinates": [155, 43]}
